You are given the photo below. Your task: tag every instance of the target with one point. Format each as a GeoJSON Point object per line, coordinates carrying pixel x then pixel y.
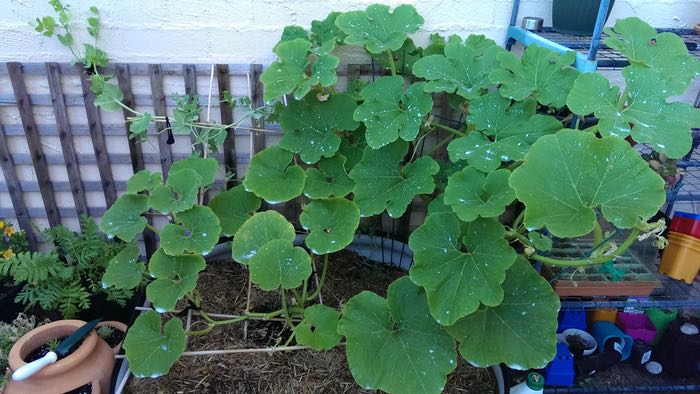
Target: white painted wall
{"type": "Point", "coordinates": [244, 31]}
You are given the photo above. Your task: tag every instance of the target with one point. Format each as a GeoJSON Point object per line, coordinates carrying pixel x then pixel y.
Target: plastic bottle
{"type": "Point", "coordinates": [532, 385]}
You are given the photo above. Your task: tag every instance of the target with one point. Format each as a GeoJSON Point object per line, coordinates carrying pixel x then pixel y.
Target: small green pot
{"type": "Point", "coordinates": [576, 17]}
{"type": "Point", "coordinates": [661, 318]}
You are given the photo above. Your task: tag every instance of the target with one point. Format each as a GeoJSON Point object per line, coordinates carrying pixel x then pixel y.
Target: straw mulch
{"type": "Point", "coordinates": [224, 287]}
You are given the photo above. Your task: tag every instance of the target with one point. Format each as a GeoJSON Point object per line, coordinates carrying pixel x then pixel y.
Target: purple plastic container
{"type": "Point", "coordinates": [637, 325]}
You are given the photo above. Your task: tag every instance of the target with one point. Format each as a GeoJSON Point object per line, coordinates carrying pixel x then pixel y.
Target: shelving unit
{"type": "Point", "coordinates": [591, 54]}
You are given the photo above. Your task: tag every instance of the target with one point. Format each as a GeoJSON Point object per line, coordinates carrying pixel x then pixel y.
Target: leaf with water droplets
{"type": "Point", "coordinates": [473, 194]}
{"type": "Point", "coordinates": [143, 180]}
{"type": "Point", "coordinates": [542, 73]}
{"type": "Point", "coordinates": [233, 207]}
{"type": "Point", "coordinates": [664, 52]}
{"type": "Point", "coordinates": [279, 263]}
{"type": "Point", "coordinates": [319, 329]}
{"type": "Point", "coordinates": [331, 223]}
{"type": "Point", "coordinates": [666, 126]}
{"type": "Point", "coordinates": [174, 276]}
{"type": "Point", "coordinates": [197, 232]}
{"type": "Point", "coordinates": [463, 69]}
{"type": "Point", "coordinates": [311, 126]}
{"type": "Point", "coordinates": [178, 194]}
{"type": "Point", "coordinates": [504, 132]}
{"type": "Point", "coordinates": [460, 265]}
{"type": "Point", "coordinates": [521, 331]}
{"type": "Point", "coordinates": [272, 176]}
{"type": "Point", "coordinates": [123, 218]}
{"type": "Point", "coordinates": [330, 179]}
{"type": "Point", "coordinates": [389, 114]}
{"type": "Point", "coordinates": [151, 349]}
{"type": "Point", "coordinates": [260, 229]}
{"type": "Point", "coordinates": [393, 344]}
{"type": "Point", "coordinates": [569, 175]}
{"type": "Point", "coordinates": [377, 28]}
{"type": "Point", "coordinates": [124, 271]}
{"type": "Point", "coordinates": [326, 30]}
{"type": "Point", "coordinates": [205, 168]}
{"type": "Point", "coordinates": [381, 183]}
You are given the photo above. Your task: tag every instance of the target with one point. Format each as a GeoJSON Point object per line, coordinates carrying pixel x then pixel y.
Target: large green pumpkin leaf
{"type": "Point", "coordinates": [463, 69]}
{"type": "Point", "coordinates": [394, 345]}
{"type": "Point", "coordinates": [197, 232]}
{"type": "Point", "coordinates": [271, 177]}
{"type": "Point", "coordinates": [666, 126]}
{"type": "Point", "coordinates": [124, 219]}
{"type": "Point", "coordinates": [205, 168]}
{"type": "Point", "coordinates": [310, 126]}
{"type": "Point", "coordinates": [179, 192]}
{"type": "Point", "coordinates": [124, 271]}
{"type": "Point", "coordinates": [567, 175]}
{"type": "Point", "coordinates": [403, 58]}
{"type": "Point", "coordinates": [521, 331]}
{"type": "Point", "coordinates": [378, 29]}
{"type": "Point", "coordinates": [664, 52]}
{"type": "Point", "coordinates": [175, 276]}
{"type": "Point", "coordinates": [233, 207]}
{"type": "Point", "coordinates": [279, 263]}
{"type": "Point", "coordinates": [260, 229]}
{"type": "Point", "coordinates": [326, 30]}
{"type": "Point", "coordinates": [150, 349]}
{"type": "Point", "coordinates": [352, 147]}
{"type": "Point", "coordinates": [330, 179]}
{"type": "Point", "coordinates": [143, 180]}
{"type": "Point", "coordinates": [388, 113]}
{"type": "Point", "coordinates": [319, 329]}
{"type": "Point", "coordinates": [472, 193]}
{"type": "Point", "coordinates": [381, 183]}
{"type": "Point", "coordinates": [503, 132]}
{"type": "Point", "coordinates": [546, 75]}
{"type": "Point", "coordinates": [460, 265]}
{"type": "Point", "coordinates": [332, 223]}
{"type": "Point", "coordinates": [288, 74]}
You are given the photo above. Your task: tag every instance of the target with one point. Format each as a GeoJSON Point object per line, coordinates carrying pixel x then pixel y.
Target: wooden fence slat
{"type": "Point", "coordinates": [190, 76]}
{"type": "Point", "coordinates": [256, 97]}
{"type": "Point", "coordinates": [137, 163]}
{"type": "Point", "coordinates": [15, 190]}
{"type": "Point", "coordinates": [98, 139]}
{"type": "Point", "coordinates": [34, 141]}
{"type": "Point", "coordinates": [223, 81]}
{"type": "Point", "coordinates": [124, 81]}
{"type": "Point", "coordinates": [166, 156]}
{"type": "Point", "coordinates": [53, 73]}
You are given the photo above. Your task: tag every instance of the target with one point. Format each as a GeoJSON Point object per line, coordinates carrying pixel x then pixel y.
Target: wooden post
{"type": "Point", "coordinates": [223, 80]}
{"type": "Point", "coordinates": [166, 156]}
{"type": "Point", "coordinates": [41, 168]}
{"type": "Point", "coordinates": [53, 73]}
{"type": "Point", "coordinates": [189, 72]}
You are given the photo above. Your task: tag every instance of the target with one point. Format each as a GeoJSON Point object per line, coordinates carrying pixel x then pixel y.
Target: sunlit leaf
{"type": "Point", "coordinates": [272, 176]}
{"type": "Point", "coordinates": [143, 180]}
{"type": "Point", "coordinates": [233, 207]}
{"type": "Point", "coordinates": [377, 28]}
{"type": "Point", "coordinates": [152, 349]}
{"type": "Point", "coordinates": [260, 229]}
{"type": "Point", "coordinates": [124, 271]}
{"type": "Point", "coordinates": [124, 219]}
{"type": "Point", "coordinates": [319, 329]}
{"type": "Point", "coordinates": [331, 223]}
{"type": "Point", "coordinates": [197, 232]}
{"type": "Point", "coordinates": [330, 179]}
{"type": "Point", "coordinates": [279, 263]}
{"type": "Point", "coordinates": [472, 193]}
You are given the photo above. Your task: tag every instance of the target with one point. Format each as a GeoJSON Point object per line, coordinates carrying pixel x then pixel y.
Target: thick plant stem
{"type": "Point", "coordinates": [439, 145]}
{"type": "Point", "coordinates": [211, 323]}
{"type": "Point", "coordinates": [597, 234]}
{"type": "Point", "coordinates": [448, 128]}
{"type": "Point", "coordinates": [594, 260]}
{"type": "Point", "coordinates": [623, 99]}
{"type": "Point", "coordinates": [324, 272]}
{"type": "Point", "coordinates": [518, 220]}
{"type": "Point", "coordinates": [287, 316]}
{"type": "Point", "coordinates": [390, 57]}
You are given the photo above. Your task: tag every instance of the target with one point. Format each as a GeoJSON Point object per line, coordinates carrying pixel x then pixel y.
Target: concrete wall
{"type": "Point", "coordinates": [244, 31]}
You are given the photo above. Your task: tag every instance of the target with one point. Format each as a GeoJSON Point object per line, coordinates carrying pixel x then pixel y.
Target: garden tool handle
{"type": "Point", "coordinates": [34, 366]}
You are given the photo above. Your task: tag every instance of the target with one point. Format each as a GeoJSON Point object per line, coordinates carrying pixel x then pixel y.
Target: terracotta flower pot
{"type": "Point", "coordinates": [92, 362]}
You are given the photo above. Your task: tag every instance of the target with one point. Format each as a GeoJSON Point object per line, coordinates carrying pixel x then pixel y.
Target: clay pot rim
{"type": "Point", "coordinates": [15, 359]}
{"type": "Point", "coordinates": [117, 325]}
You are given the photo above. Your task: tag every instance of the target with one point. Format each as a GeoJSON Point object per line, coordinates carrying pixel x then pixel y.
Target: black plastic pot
{"type": "Point", "coordinates": [8, 308]}
{"type": "Point", "coordinates": [576, 17]}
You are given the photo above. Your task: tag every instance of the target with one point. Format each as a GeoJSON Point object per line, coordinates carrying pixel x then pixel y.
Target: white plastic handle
{"type": "Point", "coordinates": [34, 366]}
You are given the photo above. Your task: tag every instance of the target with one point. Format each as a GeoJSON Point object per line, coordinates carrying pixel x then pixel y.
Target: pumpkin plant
{"type": "Point", "coordinates": [355, 153]}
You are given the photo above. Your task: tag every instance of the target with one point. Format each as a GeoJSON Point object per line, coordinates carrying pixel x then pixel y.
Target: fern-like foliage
{"type": "Point", "coordinates": [72, 298]}
{"type": "Point", "coordinates": [34, 267]}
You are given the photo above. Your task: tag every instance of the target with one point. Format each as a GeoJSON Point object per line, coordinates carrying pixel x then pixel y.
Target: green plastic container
{"type": "Point", "coordinates": [576, 17]}
{"type": "Point", "coordinates": [661, 318]}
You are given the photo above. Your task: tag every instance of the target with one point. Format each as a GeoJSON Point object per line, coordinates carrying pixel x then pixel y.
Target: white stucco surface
{"type": "Point", "coordinates": [244, 31]}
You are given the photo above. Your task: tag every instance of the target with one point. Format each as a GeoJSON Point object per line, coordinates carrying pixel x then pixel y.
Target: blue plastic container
{"type": "Point", "coordinates": [560, 371]}
{"type": "Point", "coordinates": [572, 318]}
{"type": "Point", "coordinates": [604, 331]}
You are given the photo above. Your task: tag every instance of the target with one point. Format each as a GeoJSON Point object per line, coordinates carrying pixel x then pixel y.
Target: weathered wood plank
{"type": "Point", "coordinates": [15, 190]}
{"type": "Point", "coordinates": [98, 139]}
{"type": "Point", "coordinates": [256, 98]}
{"type": "Point", "coordinates": [124, 81]}
{"type": "Point", "coordinates": [190, 76]}
{"type": "Point", "coordinates": [34, 141]}
{"type": "Point", "coordinates": [65, 135]}
{"type": "Point", "coordinates": [166, 155]}
{"type": "Point", "coordinates": [223, 81]}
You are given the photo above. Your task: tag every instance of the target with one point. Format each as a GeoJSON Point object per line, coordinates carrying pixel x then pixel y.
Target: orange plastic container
{"type": "Point", "coordinates": [681, 258]}
{"type": "Point", "coordinates": [602, 314]}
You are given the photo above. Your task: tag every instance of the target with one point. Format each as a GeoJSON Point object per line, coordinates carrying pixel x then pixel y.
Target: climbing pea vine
{"type": "Point", "coordinates": [348, 154]}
